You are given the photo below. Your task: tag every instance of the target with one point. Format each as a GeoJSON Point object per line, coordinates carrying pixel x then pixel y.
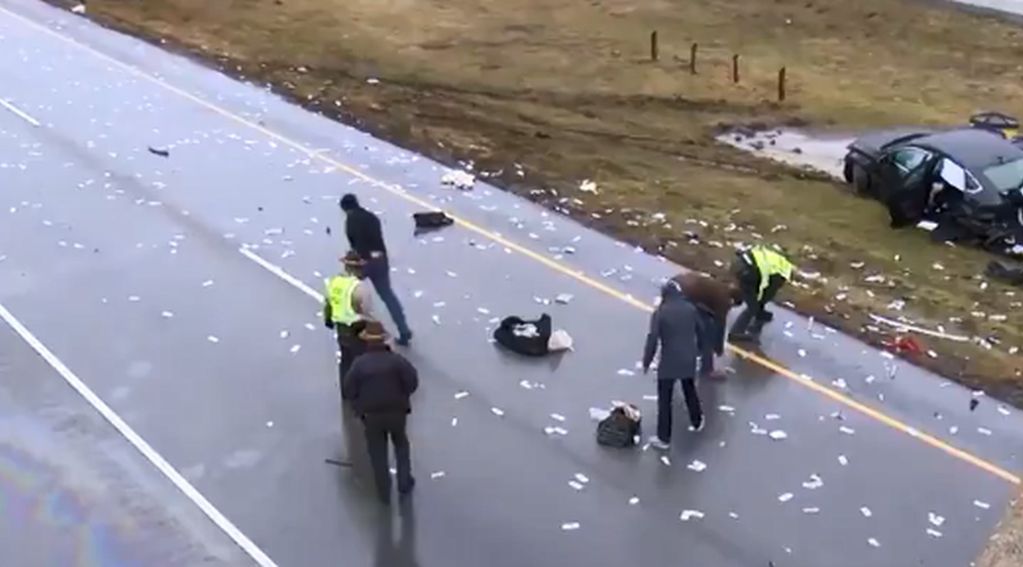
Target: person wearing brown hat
{"type": "Point", "coordinates": [347, 307]}
{"type": "Point", "coordinates": [379, 386]}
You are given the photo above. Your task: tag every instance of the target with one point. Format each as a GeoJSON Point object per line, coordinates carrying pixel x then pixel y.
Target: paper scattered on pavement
{"type": "Point", "coordinates": [497, 411]}
{"type": "Point", "coordinates": [666, 460]}
{"type": "Point", "coordinates": [633, 501]}
{"type": "Point", "coordinates": [212, 339]}
{"type": "Point", "coordinates": [866, 512]}
{"type": "Point", "coordinates": [847, 430]}
{"type": "Point", "coordinates": [575, 485]}
{"type": "Point", "coordinates": [295, 348]}
{"type": "Point", "coordinates": [778, 435]}
{"type": "Point", "coordinates": [812, 510]}
{"type": "Point", "coordinates": [436, 475]}
{"type": "Point", "coordinates": [935, 519]}
{"type": "Point", "coordinates": [167, 314]}
{"type": "Point", "coordinates": [785, 497]}
{"type": "Point", "coordinates": [873, 542]}
{"type": "Point", "coordinates": [557, 417]}
{"type": "Point", "coordinates": [696, 465]}
{"type": "Point", "coordinates": [842, 460]}
{"type": "Point", "coordinates": [981, 504]}
{"type": "Point", "coordinates": [570, 526]}
{"type": "Point", "coordinates": [933, 532]}
{"type": "Point", "coordinates": [625, 372]}
{"type": "Point", "coordinates": [690, 514]}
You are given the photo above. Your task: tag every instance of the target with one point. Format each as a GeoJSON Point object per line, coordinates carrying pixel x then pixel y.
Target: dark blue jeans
{"type": "Point", "coordinates": [379, 273]}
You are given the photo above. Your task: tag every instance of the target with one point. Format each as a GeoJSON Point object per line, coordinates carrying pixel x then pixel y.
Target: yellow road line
{"type": "Point", "coordinates": [550, 263]}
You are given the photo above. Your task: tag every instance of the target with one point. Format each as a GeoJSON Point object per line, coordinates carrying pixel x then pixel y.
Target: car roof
{"type": "Point", "coordinates": [971, 147]}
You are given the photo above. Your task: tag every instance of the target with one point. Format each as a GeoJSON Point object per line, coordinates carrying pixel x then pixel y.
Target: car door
{"type": "Point", "coordinates": [905, 175]}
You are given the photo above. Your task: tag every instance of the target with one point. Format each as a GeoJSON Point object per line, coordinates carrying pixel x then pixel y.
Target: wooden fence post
{"type": "Point", "coordinates": [735, 68]}
{"type": "Point", "coordinates": [781, 84]}
{"type": "Point", "coordinates": [653, 45]}
{"type": "Point", "coordinates": [692, 58]}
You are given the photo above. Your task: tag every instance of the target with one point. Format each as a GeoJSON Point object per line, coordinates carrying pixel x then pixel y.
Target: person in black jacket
{"type": "Point", "coordinates": [366, 237]}
{"type": "Point", "coordinates": [676, 328]}
{"type": "Point", "coordinates": [379, 385]}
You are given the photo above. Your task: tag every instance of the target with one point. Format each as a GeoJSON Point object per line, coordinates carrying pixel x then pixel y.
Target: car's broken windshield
{"type": "Point", "coordinates": [1006, 176]}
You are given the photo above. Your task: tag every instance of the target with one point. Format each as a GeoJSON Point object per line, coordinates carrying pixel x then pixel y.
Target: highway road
{"type": "Point", "coordinates": [168, 395]}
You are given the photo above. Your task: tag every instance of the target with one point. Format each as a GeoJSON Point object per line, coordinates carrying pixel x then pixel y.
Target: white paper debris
{"type": "Point", "coordinates": [497, 411]}
{"type": "Point", "coordinates": [167, 314]}
{"type": "Point", "coordinates": [575, 485]}
{"type": "Point", "coordinates": [778, 435]}
{"type": "Point", "coordinates": [866, 512]}
{"type": "Point", "coordinates": [933, 532]}
{"type": "Point", "coordinates": [625, 372]}
{"type": "Point", "coordinates": [785, 497]}
{"type": "Point", "coordinates": [812, 510]}
{"type": "Point", "coordinates": [802, 353]}
{"type": "Point", "coordinates": [207, 283]}
{"type": "Point", "coordinates": [570, 526]}
{"type": "Point", "coordinates": [212, 339]}
{"type": "Point", "coordinates": [733, 515]}
{"type": "Point", "coordinates": [436, 475]}
{"type": "Point", "coordinates": [842, 460]}
{"type": "Point", "coordinates": [935, 519]}
{"type": "Point", "coordinates": [814, 483]}
{"type": "Point", "coordinates": [133, 298]}
{"type": "Point", "coordinates": [873, 542]}
{"type": "Point", "coordinates": [633, 501]}
{"type": "Point", "coordinates": [847, 430]}
{"type": "Point", "coordinates": [772, 417]}
{"type": "Point", "coordinates": [726, 409]}
{"type": "Point", "coordinates": [599, 414]}
{"type": "Point", "coordinates": [696, 465]}
{"type": "Point", "coordinates": [295, 348]}
{"type": "Point", "coordinates": [454, 422]}
{"type": "Point", "coordinates": [690, 514]}
{"type": "Point", "coordinates": [588, 186]}
{"type": "Point", "coordinates": [564, 298]}
{"type": "Point", "coordinates": [666, 460]}
{"type": "Point", "coordinates": [269, 424]}
{"type": "Point", "coordinates": [557, 417]}
{"type": "Point", "coordinates": [981, 504]}
{"type": "Point", "coordinates": [983, 431]}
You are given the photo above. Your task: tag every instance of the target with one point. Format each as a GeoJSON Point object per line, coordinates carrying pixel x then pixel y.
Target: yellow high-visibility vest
{"type": "Point", "coordinates": [770, 263]}
{"type": "Point", "coordinates": [340, 291]}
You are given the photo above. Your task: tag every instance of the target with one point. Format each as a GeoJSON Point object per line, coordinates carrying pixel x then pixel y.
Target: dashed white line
{"type": "Point", "coordinates": [161, 464]}
{"type": "Point", "coordinates": [279, 272]}
{"type": "Point", "coordinates": [19, 113]}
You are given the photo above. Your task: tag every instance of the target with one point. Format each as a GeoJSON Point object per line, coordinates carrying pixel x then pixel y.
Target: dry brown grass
{"type": "Point", "coordinates": [566, 89]}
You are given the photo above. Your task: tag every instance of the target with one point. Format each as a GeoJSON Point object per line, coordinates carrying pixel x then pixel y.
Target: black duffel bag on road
{"type": "Point", "coordinates": [618, 429]}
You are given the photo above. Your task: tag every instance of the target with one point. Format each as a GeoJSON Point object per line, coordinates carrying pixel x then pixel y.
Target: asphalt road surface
{"type": "Point", "coordinates": [168, 394]}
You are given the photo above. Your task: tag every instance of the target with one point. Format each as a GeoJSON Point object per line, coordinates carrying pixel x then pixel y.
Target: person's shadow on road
{"type": "Point", "coordinates": [400, 552]}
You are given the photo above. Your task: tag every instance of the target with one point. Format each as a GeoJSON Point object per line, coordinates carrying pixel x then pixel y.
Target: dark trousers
{"type": "Point", "coordinates": [378, 270]}
{"type": "Point", "coordinates": [665, 394]}
{"type": "Point", "coordinates": [754, 316]}
{"type": "Point", "coordinates": [379, 428]}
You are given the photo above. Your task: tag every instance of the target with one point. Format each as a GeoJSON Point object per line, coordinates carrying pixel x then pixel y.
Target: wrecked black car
{"type": "Point", "coordinates": [964, 184]}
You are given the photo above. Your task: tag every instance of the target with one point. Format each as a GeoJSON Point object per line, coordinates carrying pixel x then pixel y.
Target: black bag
{"type": "Point", "coordinates": [618, 429]}
{"type": "Point", "coordinates": [535, 344]}
{"type": "Point", "coordinates": [432, 219]}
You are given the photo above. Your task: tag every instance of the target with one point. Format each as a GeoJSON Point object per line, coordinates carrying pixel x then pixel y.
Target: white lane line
{"type": "Point", "coordinates": [279, 272]}
{"type": "Point", "coordinates": [261, 559]}
{"type": "Point", "coordinates": [18, 112]}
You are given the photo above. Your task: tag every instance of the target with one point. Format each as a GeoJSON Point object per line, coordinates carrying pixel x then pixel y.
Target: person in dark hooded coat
{"type": "Point", "coordinates": [675, 328]}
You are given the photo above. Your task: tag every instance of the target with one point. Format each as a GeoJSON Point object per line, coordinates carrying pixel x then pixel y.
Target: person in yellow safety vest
{"type": "Point", "coordinates": [347, 307]}
{"type": "Point", "coordinates": [760, 272]}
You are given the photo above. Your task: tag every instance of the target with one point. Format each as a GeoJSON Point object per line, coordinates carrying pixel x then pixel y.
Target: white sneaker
{"type": "Point", "coordinates": [656, 443]}
{"type": "Point", "coordinates": [699, 428]}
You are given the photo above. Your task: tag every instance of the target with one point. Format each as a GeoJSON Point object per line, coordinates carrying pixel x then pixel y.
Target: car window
{"type": "Point", "coordinates": [958, 176]}
{"type": "Point", "coordinates": [908, 159]}
{"type": "Point", "coordinates": [1005, 176]}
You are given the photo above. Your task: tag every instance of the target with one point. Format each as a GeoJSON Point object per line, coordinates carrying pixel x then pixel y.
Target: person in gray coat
{"type": "Point", "coordinates": [676, 328]}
